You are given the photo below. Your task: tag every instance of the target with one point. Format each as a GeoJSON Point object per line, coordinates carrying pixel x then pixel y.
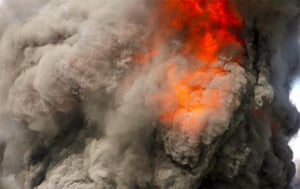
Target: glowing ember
{"type": "Point", "coordinates": [205, 29]}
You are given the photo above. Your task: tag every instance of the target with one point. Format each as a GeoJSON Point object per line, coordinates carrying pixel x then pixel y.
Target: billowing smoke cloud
{"type": "Point", "coordinates": [85, 86]}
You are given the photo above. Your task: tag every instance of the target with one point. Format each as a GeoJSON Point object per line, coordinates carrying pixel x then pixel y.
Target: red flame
{"type": "Point", "coordinates": [207, 26]}
{"type": "Point", "coordinates": [206, 30]}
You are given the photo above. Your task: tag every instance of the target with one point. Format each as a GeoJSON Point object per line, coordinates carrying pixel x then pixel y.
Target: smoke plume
{"type": "Point", "coordinates": [148, 94]}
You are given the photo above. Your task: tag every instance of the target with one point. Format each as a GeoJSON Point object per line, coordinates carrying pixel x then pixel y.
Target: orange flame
{"type": "Point", "coordinates": [207, 26]}
{"type": "Point", "coordinates": [206, 30]}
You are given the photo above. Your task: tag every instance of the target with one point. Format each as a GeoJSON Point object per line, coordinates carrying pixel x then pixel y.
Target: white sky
{"type": "Point", "coordinates": [295, 98]}
{"type": "Point", "coordinates": [295, 94]}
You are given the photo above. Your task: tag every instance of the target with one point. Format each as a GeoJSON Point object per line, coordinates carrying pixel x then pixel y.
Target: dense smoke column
{"type": "Point", "coordinates": [147, 94]}
{"type": "Point", "coordinates": [273, 59]}
{"type": "Point", "coordinates": [274, 52]}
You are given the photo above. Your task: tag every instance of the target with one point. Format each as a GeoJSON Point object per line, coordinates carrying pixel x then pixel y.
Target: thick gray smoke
{"type": "Point", "coordinates": [76, 109]}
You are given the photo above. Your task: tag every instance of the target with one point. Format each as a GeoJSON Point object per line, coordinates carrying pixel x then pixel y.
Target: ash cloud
{"type": "Point", "coordinates": [74, 110]}
{"type": "Point", "coordinates": [274, 30]}
{"type": "Point", "coordinates": [61, 63]}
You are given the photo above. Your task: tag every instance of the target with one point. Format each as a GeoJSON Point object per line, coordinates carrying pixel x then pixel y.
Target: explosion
{"type": "Point", "coordinates": [204, 31]}
{"type": "Point", "coordinates": [147, 94]}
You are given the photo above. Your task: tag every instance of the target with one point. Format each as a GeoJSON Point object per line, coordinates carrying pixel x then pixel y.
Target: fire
{"type": "Point", "coordinates": [206, 26]}
{"type": "Point", "coordinates": [206, 29]}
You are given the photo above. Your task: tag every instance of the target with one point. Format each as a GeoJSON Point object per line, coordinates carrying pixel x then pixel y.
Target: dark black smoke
{"type": "Point", "coordinates": [69, 119]}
